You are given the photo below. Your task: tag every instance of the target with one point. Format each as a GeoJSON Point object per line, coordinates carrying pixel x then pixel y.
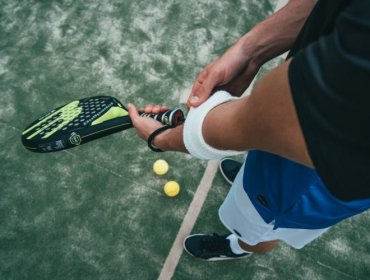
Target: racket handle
{"type": "Point", "coordinates": [173, 117]}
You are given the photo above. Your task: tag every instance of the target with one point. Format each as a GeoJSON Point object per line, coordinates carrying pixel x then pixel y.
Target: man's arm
{"type": "Point", "coordinates": [277, 33]}
{"type": "Point", "coordinates": [235, 69]}
{"type": "Point", "coordinates": [265, 120]}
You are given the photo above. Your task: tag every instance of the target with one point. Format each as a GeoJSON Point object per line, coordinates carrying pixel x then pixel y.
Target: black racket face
{"type": "Point", "coordinates": [76, 123]}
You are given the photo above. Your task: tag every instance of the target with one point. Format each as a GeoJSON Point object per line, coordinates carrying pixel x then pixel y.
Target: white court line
{"type": "Point", "coordinates": [189, 221]}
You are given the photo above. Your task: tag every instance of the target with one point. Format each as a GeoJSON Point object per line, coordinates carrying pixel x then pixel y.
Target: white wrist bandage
{"type": "Point", "coordinates": [193, 136]}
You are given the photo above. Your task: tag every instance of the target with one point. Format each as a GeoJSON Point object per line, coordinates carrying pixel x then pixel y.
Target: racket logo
{"type": "Point", "coordinates": [75, 139]}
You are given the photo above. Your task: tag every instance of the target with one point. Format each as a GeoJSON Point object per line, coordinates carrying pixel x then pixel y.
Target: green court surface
{"type": "Point", "coordinates": [98, 211]}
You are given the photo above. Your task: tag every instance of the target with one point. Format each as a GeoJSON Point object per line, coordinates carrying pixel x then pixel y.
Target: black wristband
{"type": "Point", "coordinates": [154, 134]}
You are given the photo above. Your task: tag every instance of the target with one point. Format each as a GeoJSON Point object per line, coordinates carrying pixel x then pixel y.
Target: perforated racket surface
{"type": "Point", "coordinates": [81, 121]}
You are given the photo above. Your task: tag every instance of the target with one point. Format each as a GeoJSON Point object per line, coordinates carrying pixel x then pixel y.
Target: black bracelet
{"type": "Point", "coordinates": [154, 134]}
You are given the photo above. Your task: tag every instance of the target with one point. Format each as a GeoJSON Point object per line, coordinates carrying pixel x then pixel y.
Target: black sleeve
{"type": "Point", "coordinates": [330, 83]}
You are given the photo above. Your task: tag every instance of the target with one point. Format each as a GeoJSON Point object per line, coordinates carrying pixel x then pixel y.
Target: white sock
{"type": "Point", "coordinates": [234, 245]}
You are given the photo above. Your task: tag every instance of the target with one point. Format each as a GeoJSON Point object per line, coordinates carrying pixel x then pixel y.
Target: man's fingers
{"type": "Point", "coordinates": [204, 74]}
{"type": "Point", "coordinates": [197, 97]}
{"type": "Point", "coordinates": [164, 109]}
{"type": "Point", "coordinates": [154, 109]}
{"type": "Point", "coordinates": [197, 90]}
{"type": "Point", "coordinates": [144, 126]}
{"type": "Point", "coordinates": [133, 113]}
{"type": "Point", "coordinates": [205, 84]}
{"type": "Point", "coordinates": [203, 89]}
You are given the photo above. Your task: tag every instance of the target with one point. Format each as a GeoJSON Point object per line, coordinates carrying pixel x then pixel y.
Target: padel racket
{"type": "Point", "coordinates": [81, 121]}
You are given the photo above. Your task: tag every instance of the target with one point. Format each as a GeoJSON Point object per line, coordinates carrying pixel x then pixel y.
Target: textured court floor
{"type": "Point", "coordinates": [98, 211]}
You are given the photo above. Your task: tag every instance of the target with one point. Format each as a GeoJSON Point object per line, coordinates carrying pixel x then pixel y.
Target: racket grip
{"type": "Point", "coordinates": [173, 117]}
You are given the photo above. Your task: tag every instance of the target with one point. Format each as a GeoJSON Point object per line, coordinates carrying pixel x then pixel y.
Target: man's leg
{"type": "Point", "coordinates": [263, 247]}
{"type": "Point", "coordinates": [239, 247]}
{"type": "Point", "coordinates": [230, 246]}
{"type": "Point", "coordinates": [261, 172]}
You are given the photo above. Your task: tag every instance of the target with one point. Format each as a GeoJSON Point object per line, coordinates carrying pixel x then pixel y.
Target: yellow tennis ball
{"type": "Point", "coordinates": [160, 167]}
{"type": "Point", "coordinates": [171, 188]}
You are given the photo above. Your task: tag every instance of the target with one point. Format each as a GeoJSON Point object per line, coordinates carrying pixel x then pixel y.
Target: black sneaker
{"type": "Point", "coordinates": [211, 247]}
{"type": "Point", "coordinates": [229, 168]}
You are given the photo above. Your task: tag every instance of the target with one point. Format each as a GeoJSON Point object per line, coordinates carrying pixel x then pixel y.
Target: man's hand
{"type": "Point", "coordinates": [168, 140]}
{"type": "Point", "coordinates": [145, 126]}
{"type": "Point", "coordinates": [233, 72]}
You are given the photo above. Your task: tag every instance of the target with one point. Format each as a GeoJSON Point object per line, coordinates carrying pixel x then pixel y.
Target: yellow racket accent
{"type": "Point", "coordinates": [112, 113]}
{"type": "Point", "coordinates": [67, 114]}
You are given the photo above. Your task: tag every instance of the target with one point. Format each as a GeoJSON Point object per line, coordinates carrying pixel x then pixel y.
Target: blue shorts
{"type": "Point", "coordinates": [239, 215]}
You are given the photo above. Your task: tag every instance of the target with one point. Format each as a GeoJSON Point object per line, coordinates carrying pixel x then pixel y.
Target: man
{"type": "Point", "coordinates": [306, 125]}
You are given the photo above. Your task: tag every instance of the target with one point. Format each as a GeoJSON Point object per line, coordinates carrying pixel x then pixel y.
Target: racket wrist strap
{"type": "Point", "coordinates": [154, 134]}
